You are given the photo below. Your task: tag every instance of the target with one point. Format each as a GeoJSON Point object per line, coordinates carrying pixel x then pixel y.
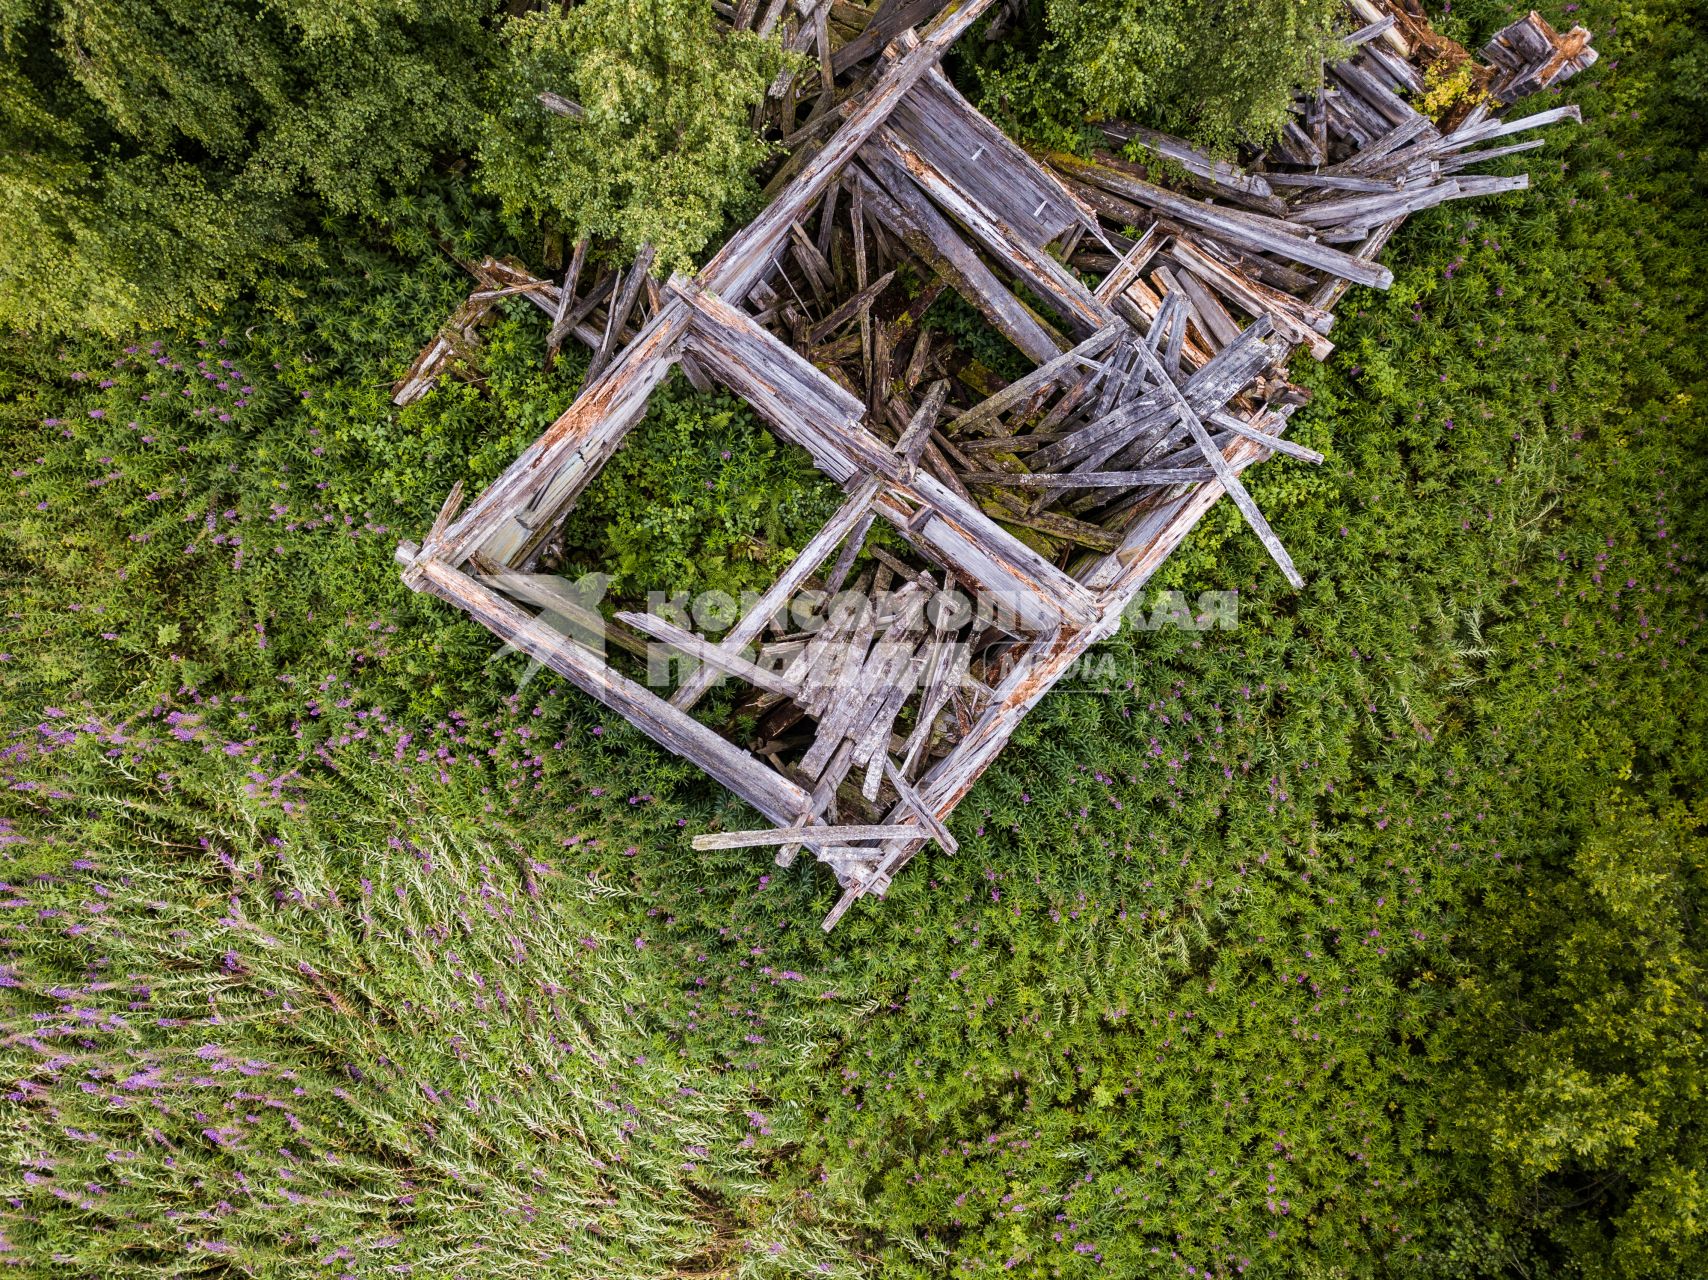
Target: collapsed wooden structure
{"type": "Point", "coordinates": [1030, 514]}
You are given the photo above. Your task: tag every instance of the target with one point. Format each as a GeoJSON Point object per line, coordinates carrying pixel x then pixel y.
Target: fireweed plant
{"type": "Point", "coordinates": [1360, 940]}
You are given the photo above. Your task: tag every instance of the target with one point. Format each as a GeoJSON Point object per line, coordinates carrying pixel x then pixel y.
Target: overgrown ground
{"type": "Point", "coordinates": [1361, 940]}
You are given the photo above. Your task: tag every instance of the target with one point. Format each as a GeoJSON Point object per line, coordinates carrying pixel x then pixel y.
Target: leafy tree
{"type": "Point", "coordinates": [153, 158]}
{"type": "Point", "coordinates": [665, 150]}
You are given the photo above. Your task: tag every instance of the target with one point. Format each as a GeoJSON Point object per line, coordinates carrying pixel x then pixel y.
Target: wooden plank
{"type": "Point", "coordinates": [915, 804]}
{"type": "Point", "coordinates": [1073, 302]}
{"type": "Point", "coordinates": [1214, 173]}
{"type": "Point", "coordinates": [1269, 235]}
{"type": "Point", "coordinates": [748, 254]}
{"type": "Point", "coordinates": [983, 164]}
{"type": "Point", "coordinates": [983, 416]}
{"type": "Point", "coordinates": [800, 834]}
{"type": "Point", "coordinates": [708, 652]}
{"type": "Point", "coordinates": [898, 202]}
{"type": "Point", "coordinates": [622, 308]}
{"type": "Point", "coordinates": [1090, 479]}
{"type": "Point", "coordinates": [1225, 474]}
{"type": "Point", "coordinates": [1252, 430]}
{"type": "Point", "coordinates": [762, 787]}
{"type": "Point", "coordinates": [860, 304]}
{"type": "Point", "coordinates": [566, 296]}
{"type": "Point", "coordinates": [1296, 321]}
{"type": "Point", "coordinates": [552, 470]}
{"type": "Point", "coordinates": [918, 431]}
{"type": "Point", "coordinates": [1132, 263]}
{"type": "Point", "coordinates": [891, 21]}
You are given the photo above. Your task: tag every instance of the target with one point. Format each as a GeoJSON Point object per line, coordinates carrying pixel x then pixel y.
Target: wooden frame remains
{"type": "Point", "coordinates": [1158, 316]}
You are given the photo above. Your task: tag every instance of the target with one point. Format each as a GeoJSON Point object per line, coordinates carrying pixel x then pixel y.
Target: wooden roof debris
{"type": "Point", "coordinates": [1025, 516]}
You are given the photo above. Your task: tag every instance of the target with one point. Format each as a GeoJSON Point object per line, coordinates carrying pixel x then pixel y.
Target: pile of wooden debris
{"type": "Point", "coordinates": [1033, 512]}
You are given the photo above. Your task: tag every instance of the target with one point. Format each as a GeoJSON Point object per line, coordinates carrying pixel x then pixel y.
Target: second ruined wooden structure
{"type": "Point", "coordinates": [1057, 495]}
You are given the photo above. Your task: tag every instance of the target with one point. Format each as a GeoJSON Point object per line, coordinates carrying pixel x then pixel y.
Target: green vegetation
{"type": "Point", "coordinates": [1213, 70]}
{"type": "Point", "coordinates": [664, 150]}
{"type": "Point", "coordinates": [1364, 939]}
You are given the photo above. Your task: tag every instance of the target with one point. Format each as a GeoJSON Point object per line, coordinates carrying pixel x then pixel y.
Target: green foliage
{"type": "Point", "coordinates": [701, 497]}
{"type": "Point", "coordinates": [1592, 1103]}
{"type": "Point", "coordinates": [664, 152]}
{"type": "Point", "coordinates": [1215, 70]}
{"type": "Point", "coordinates": [153, 157]}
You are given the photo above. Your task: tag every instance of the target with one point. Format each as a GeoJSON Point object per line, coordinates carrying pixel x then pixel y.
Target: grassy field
{"type": "Point", "coordinates": [1362, 939]}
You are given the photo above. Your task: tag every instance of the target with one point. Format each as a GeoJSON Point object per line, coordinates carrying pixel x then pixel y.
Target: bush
{"type": "Point", "coordinates": [664, 152]}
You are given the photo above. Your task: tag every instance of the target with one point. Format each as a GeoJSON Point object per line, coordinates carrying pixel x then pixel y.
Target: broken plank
{"type": "Point", "coordinates": [1266, 234]}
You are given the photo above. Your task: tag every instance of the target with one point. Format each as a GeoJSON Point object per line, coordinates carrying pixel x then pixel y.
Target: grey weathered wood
{"type": "Point", "coordinates": [1297, 321]}
{"type": "Point", "coordinates": [800, 834]}
{"type": "Point", "coordinates": [842, 718]}
{"type": "Point", "coordinates": [918, 430]}
{"type": "Point", "coordinates": [748, 254]}
{"type": "Point", "coordinates": [1225, 474]}
{"type": "Point", "coordinates": [1254, 431]}
{"type": "Point", "coordinates": [983, 164]}
{"type": "Point", "coordinates": [1215, 173]}
{"type": "Point", "coordinates": [765, 789]}
{"type": "Point", "coordinates": [554, 468]}
{"type": "Point", "coordinates": [1334, 182]}
{"type": "Point", "coordinates": [1075, 304]}
{"type": "Point", "coordinates": [896, 200]}
{"type": "Point", "coordinates": [622, 307]}
{"type": "Point", "coordinates": [557, 104]}
{"type": "Point", "coordinates": [984, 415]}
{"type": "Point", "coordinates": [1132, 263]}
{"type": "Point", "coordinates": [565, 297]}
{"type": "Point", "coordinates": [1090, 479]}
{"type": "Point", "coordinates": [1265, 234]}
{"type": "Point", "coordinates": [860, 304]}
{"type": "Point", "coordinates": [1208, 311]}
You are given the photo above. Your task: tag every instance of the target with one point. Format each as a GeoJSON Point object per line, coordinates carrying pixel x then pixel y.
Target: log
{"type": "Point", "coordinates": [799, 834]}
{"type": "Point", "coordinates": [708, 652]}
{"type": "Point", "coordinates": [1269, 235]}
{"type": "Point", "coordinates": [898, 203]}
{"type": "Point", "coordinates": [1225, 474]}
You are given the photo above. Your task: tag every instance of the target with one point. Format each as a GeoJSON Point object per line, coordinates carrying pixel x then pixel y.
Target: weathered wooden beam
{"type": "Point", "coordinates": [565, 297]}
{"type": "Point", "coordinates": [899, 204]}
{"type": "Point", "coordinates": [748, 254]}
{"type": "Point", "coordinates": [1298, 322]}
{"type": "Point", "coordinates": [1270, 235]}
{"type": "Point", "coordinates": [1089, 479]}
{"type": "Point", "coordinates": [1225, 474]}
{"type": "Point", "coordinates": [552, 470]}
{"type": "Point", "coordinates": [860, 304]}
{"type": "Point", "coordinates": [1214, 173]}
{"type": "Point", "coordinates": [708, 652]}
{"type": "Point", "coordinates": [762, 787]}
{"type": "Point", "coordinates": [1083, 312]}
{"type": "Point", "coordinates": [983, 415]}
{"type": "Point", "coordinates": [799, 834]}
